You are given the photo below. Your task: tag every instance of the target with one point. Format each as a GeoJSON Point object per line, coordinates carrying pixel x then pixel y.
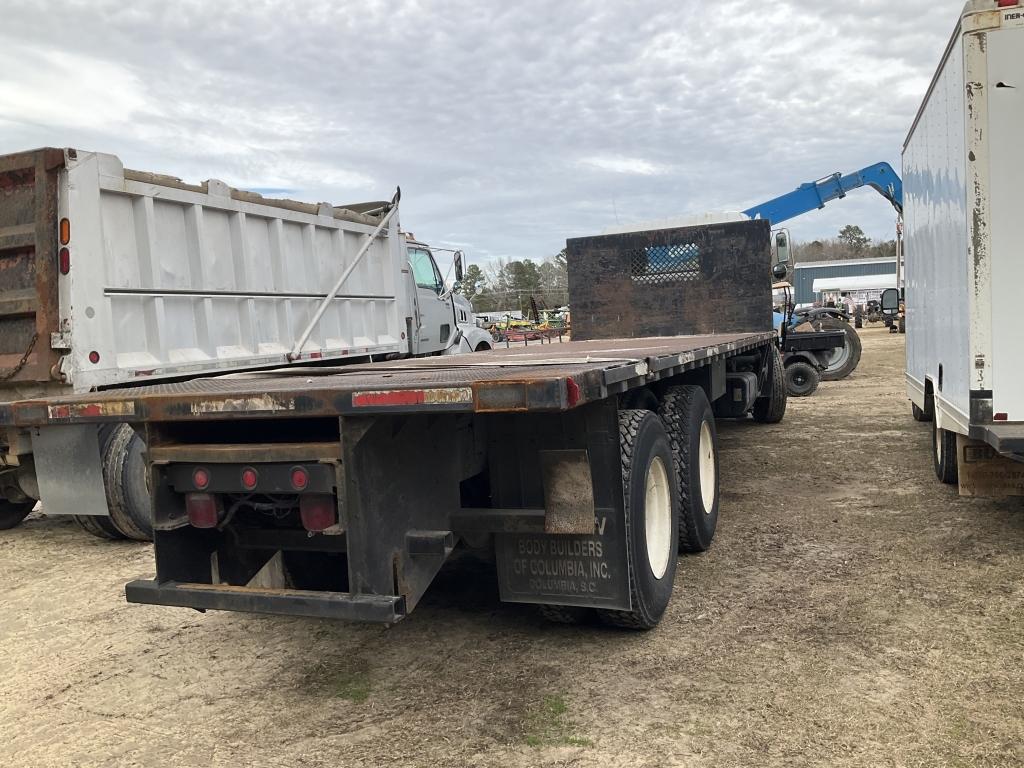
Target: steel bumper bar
{"type": "Point", "coordinates": [285, 602]}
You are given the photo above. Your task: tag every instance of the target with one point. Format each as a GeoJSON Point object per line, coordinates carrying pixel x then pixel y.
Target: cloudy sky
{"type": "Point", "coordinates": [509, 125]}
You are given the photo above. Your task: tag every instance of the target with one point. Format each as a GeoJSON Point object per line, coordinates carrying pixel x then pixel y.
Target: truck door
{"type": "Point", "coordinates": [1006, 226]}
{"type": "Point", "coordinates": [435, 323]}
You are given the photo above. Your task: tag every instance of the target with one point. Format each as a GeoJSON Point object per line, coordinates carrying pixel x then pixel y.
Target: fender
{"type": "Point", "coordinates": [473, 337]}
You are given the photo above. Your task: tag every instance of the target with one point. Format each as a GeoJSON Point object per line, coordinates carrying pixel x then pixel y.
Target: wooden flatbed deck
{"type": "Point", "coordinates": [548, 377]}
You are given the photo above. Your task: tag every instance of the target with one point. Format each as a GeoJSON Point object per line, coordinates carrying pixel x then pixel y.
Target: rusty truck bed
{"type": "Point", "coordinates": [547, 377]}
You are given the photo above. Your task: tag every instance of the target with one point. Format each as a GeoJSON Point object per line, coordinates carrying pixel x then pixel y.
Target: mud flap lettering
{"type": "Point", "coordinates": [566, 569]}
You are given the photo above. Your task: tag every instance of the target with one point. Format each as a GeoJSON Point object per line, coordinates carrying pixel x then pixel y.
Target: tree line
{"type": "Point", "coordinates": [850, 243]}
{"type": "Point", "coordinates": [510, 285]}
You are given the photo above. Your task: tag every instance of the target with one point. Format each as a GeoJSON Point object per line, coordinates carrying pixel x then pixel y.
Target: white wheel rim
{"type": "Point", "coordinates": [707, 468]}
{"type": "Point", "coordinates": [658, 517]}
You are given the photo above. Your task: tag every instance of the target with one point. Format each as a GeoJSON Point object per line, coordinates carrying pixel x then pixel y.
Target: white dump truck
{"type": "Point", "coordinates": [964, 244]}
{"type": "Point", "coordinates": [112, 277]}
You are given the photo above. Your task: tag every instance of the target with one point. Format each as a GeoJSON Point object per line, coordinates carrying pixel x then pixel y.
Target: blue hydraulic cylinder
{"type": "Point", "coordinates": [814, 194]}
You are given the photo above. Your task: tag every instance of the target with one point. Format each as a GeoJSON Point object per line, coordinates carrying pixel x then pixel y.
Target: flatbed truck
{"type": "Point", "coordinates": [582, 467]}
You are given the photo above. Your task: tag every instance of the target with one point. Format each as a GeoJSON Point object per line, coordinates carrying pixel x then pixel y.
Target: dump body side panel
{"type": "Point", "coordinates": [173, 279]}
{"type": "Point", "coordinates": [689, 280]}
{"type": "Point", "coordinates": [28, 270]}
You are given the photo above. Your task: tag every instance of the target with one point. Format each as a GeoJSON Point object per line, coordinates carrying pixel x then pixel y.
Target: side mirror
{"type": "Point", "coordinates": [458, 266]}
{"type": "Point", "coordinates": [779, 271]}
{"type": "Point", "coordinates": [781, 247]}
{"type": "Point", "coordinates": [890, 302]}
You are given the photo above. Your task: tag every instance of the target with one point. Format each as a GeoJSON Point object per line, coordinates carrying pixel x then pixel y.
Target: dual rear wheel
{"type": "Point", "coordinates": [127, 491]}
{"type": "Point", "coordinates": [669, 464]}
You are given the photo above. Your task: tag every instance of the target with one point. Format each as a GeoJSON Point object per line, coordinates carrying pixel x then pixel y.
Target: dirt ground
{"type": "Point", "coordinates": [852, 611]}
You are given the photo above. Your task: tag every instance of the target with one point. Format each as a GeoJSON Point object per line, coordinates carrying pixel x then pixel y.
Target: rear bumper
{"type": "Point", "coordinates": [282, 602]}
{"type": "Point", "coordinates": [1005, 439]}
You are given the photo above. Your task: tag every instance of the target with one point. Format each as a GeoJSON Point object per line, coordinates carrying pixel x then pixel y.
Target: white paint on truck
{"type": "Point", "coordinates": [964, 233]}
{"type": "Point", "coordinates": [170, 279]}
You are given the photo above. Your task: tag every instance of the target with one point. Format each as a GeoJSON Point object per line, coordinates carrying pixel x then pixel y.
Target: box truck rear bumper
{"type": "Point", "coordinates": [1005, 439]}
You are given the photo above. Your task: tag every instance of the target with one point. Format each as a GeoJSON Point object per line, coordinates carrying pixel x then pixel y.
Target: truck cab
{"type": "Point", "coordinates": [444, 322]}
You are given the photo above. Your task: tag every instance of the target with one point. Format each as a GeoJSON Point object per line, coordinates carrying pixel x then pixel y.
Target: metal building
{"type": "Point", "coordinates": [805, 273]}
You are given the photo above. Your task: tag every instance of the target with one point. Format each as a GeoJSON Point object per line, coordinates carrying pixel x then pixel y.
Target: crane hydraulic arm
{"type": "Point", "coordinates": [814, 194]}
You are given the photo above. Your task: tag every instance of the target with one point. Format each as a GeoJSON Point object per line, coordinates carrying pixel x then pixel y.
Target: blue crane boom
{"type": "Point", "coordinates": [814, 194]}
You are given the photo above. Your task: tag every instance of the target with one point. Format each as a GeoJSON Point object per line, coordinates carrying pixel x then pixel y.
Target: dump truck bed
{"type": "Point", "coordinates": [544, 377]}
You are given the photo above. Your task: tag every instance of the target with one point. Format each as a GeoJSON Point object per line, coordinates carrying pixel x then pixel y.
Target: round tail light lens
{"type": "Point", "coordinates": [201, 479]}
{"type": "Point", "coordinates": [300, 478]}
{"type": "Point", "coordinates": [249, 478]}
{"type": "Point", "coordinates": [94, 357]}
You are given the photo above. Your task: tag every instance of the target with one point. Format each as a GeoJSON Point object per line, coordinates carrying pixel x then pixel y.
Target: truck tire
{"type": "Point", "coordinates": [919, 414]}
{"type": "Point", "coordinates": [651, 505]}
{"type": "Point", "coordinates": [100, 526]}
{"type": "Point", "coordinates": [771, 407]}
{"type": "Point", "coordinates": [690, 425]}
{"type": "Point", "coordinates": [843, 361]}
{"type": "Point", "coordinates": [13, 512]}
{"type": "Point", "coordinates": [125, 482]}
{"type": "Point", "coordinates": [802, 379]}
{"type": "Point", "coordinates": [135, 484]}
{"type": "Point", "coordinates": [944, 455]}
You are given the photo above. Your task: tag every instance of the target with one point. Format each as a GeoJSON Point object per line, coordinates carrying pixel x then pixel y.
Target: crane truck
{"type": "Point", "coordinates": [838, 362]}
{"type": "Point", "coordinates": [111, 277]}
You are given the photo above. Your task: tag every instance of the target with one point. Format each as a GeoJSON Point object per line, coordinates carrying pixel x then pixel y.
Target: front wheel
{"type": "Point", "coordinates": [842, 360]}
{"type": "Point", "coordinates": [801, 379]}
{"type": "Point", "coordinates": [13, 512]}
{"type": "Point", "coordinates": [651, 504]}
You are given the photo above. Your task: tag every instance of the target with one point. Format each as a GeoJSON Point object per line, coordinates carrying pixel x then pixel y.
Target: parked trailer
{"type": "Point", "coordinates": [582, 467]}
{"type": "Point", "coordinates": [962, 168]}
{"type": "Point", "coordinates": [109, 277]}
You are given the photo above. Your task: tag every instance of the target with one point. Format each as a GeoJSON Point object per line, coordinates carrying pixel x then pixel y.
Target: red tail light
{"type": "Point", "coordinates": [201, 479]}
{"type": "Point", "coordinates": [318, 511]}
{"type": "Point", "coordinates": [249, 478]}
{"type": "Point", "coordinates": [572, 393]}
{"type": "Point", "coordinates": [203, 510]}
{"type": "Point", "coordinates": [64, 261]}
{"type": "Point", "coordinates": [94, 357]}
{"type": "Point", "coordinates": [1001, 417]}
{"type": "Point", "coordinates": [1007, 3]}
{"type": "Point", "coordinates": [300, 478]}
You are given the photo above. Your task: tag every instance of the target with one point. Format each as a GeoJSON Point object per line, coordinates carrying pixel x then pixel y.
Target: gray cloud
{"type": "Point", "coordinates": [510, 126]}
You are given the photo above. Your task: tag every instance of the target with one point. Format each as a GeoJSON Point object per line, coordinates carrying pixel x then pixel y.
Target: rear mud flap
{"type": "Point", "coordinates": [566, 570]}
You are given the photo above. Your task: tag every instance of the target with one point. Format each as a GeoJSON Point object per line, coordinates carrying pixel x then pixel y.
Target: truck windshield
{"type": "Point", "coordinates": [423, 269]}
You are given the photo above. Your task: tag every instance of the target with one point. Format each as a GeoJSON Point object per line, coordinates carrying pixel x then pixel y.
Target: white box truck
{"type": "Point", "coordinates": [111, 277]}
{"type": "Point", "coordinates": [964, 241]}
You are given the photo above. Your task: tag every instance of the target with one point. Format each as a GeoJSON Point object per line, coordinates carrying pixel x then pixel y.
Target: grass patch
{"type": "Point", "coordinates": [345, 681]}
{"type": "Point", "coordinates": [548, 724]}
{"type": "Point", "coordinates": [352, 686]}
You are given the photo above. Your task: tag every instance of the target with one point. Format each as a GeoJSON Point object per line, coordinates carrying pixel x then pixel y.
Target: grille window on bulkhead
{"type": "Point", "coordinates": [657, 264]}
